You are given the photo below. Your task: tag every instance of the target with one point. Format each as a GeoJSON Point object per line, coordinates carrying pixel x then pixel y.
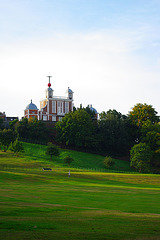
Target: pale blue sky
{"type": "Point", "coordinates": [106, 51]}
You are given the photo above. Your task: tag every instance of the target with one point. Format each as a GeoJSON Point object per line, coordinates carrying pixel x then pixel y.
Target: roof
{"type": "Point", "coordinates": [69, 90]}
{"type": "Point", "coordinates": [49, 89]}
{"type": "Point", "coordinates": [31, 106]}
{"type": "Point", "coordinates": [93, 109]}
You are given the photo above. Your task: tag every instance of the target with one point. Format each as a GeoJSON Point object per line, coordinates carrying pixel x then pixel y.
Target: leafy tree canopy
{"type": "Point", "coordinates": [112, 115]}
{"type": "Point", "coordinates": [13, 124]}
{"type": "Point", "coordinates": [114, 132]}
{"type": "Point", "coordinates": [52, 150]}
{"type": "Point", "coordinates": [76, 129]}
{"type": "Point", "coordinates": [141, 156]}
{"type": "Point", "coordinates": [16, 147]}
{"type": "Point", "coordinates": [32, 129]}
{"type": "Point", "coordinates": [141, 113]}
{"type": "Point", "coordinates": [6, 137]}
{"type": "Point", "coordinates": [150, 134]}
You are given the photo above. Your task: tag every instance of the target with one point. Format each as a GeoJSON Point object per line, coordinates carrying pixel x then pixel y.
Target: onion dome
{"type": "Point", "coordinates": [31, 106]}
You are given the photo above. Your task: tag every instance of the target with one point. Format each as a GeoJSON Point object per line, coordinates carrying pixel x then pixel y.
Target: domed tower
{"type": "Point", "coordinates": [70, 94]}
{"type": "Point", "coordinates": [31, 111]}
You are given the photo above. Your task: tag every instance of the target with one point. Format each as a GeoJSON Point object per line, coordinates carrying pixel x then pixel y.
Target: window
{"type": "Point", "coordinates": [44, 118]}
{"type": "Point", "coordinates": [60, 107]}
{"type": "Point", "coordinates": [66, 107]}
{"type": "Point", "coordinates": [53, 106]}
{"type": "Point", "coordinates": [54, 118]}
{"type": "Point", "coordinates": [60, 119]}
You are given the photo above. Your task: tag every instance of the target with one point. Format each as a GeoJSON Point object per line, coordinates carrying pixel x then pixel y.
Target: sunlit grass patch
{"type": "Point", "coordinates": [37, 204]}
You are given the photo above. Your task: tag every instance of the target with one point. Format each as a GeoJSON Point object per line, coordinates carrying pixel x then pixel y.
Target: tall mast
{"type": "Point", "coordinates": [49, 84]}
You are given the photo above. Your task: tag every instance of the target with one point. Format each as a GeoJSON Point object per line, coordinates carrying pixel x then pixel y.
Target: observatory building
{"type": "Point", "coordinates": [52, 108]}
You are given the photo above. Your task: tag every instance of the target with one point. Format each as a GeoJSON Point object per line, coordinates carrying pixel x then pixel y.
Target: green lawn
{"type": "Point", "coordinates": [81, 160]}
{"type": "Point", "coordinates": [47, 205]}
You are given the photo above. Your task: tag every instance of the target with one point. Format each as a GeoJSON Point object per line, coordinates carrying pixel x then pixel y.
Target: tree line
{"type": "Point", "coordinates": [136, 134]}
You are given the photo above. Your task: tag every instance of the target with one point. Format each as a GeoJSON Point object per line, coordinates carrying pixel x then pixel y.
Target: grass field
{"type": "Point", "coordinates": [45, 205]}
{"type": "Point", "coordinates": [81, 159]}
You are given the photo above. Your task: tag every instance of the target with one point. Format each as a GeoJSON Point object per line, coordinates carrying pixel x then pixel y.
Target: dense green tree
{"type": "Point", "coordinates": [145, 119]}
{"type": "Point", "coordinates": [37, 130]}
{"type": "Point", "coordinates": [114, 132]}
{"type": "Point", "coordinates": [141, 156]}
{"type": "Point", "coordinates": [23, 128]}
{"type": "Point", "coordinates": [76, 129]}
{"type": "Point", "coordinates": [32, 129]}
{"type": "Point", "coordinates": [150, 134]}
{"type": "Point", "coordinates": [52, 150]}
{"type": "Point", "coordinates": [13, 124]}
{"type": "Point", "coordinates": [6, 137]}
{"type": "Point", "coordinates": [141, 113]}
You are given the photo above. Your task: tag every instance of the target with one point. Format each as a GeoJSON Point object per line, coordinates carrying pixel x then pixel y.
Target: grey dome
{"type": "Point", "coordinates": [31, 106]}
{"type": "Point", "coordinates": [50, 89]}
{"type": "Point", "coordinates": [93, 109]}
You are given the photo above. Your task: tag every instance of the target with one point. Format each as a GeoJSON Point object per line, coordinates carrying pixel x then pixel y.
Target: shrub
{"type": "Point", "coordinates": [68, 159]}
{"type": "Point", "coordinates": [108, 162]}
{"type": "Point", "coordinates": [16, 147]}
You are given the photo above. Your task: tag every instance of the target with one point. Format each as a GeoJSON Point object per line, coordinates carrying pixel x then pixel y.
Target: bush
{"type": "Point", "coordinates": [16, 147]}
{"type": "Point", "coordinates": [68, 159]}
{"type": "Point", "coordinates": [52, 150]}
{"type": "Point", "coordinates": [108, 162]}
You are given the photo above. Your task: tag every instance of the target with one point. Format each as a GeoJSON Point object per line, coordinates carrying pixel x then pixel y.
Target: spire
{"type": "Point", "coordinates": [49, 84]}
